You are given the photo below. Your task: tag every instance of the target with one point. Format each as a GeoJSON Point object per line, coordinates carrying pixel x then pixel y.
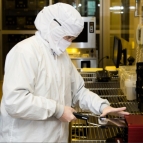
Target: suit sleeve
{"type": "Point", "coordinates": [86, 99]}
{"type": "Point", "coordinates": [18, 88]}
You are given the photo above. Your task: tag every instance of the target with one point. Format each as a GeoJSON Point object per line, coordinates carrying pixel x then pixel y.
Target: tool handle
{"type": "Point", "coordinates": [80, 116]}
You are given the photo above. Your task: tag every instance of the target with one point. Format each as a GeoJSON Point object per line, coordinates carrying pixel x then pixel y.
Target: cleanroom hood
{"type": "Point", "coordinates": [56, 21]}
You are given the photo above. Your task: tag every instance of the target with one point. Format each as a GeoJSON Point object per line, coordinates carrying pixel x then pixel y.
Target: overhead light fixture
{"type": "Point", "coordinates": [132, 7]}
{"type": "Point", "coordinates": [79, 5]}
{"type": "Point", "coordinates": [119, 12]}
{"type": "Point", "coordinates": [117, 8]}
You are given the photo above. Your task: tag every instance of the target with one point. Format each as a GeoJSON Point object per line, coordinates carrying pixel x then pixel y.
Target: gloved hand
{"type": "Point", "coordinates": [114, 111]}
{"type": "Point", "coordinates": [68, 115]}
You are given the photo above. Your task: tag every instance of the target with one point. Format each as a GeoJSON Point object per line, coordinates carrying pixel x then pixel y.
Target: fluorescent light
{"type": "Point", "coordinates": [119, 12]}
{"type": "Point", "coordinates": [120, 7]}
{"type": "Point", "coordinates": [117, 8]}
{"type": "Point", "coordinates": [132, 7]}
{"type": "Point", "coordinates": [79, 5]}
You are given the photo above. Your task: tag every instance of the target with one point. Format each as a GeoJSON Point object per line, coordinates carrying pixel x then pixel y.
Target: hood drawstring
{"type": "Point", "coordinates": [54, 54]}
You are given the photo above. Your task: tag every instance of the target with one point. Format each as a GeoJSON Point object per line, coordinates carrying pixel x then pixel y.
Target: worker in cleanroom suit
{"type": "Point", "coordinates": [41, 84]}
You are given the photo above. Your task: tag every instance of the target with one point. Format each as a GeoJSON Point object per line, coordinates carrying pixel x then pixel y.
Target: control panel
{"type": "Point", "coordinates": [91, 27]}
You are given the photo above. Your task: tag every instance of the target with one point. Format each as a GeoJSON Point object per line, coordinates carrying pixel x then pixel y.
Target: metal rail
{"type": "Point", "coordinates": [102, 85]}
{"type": "Point", "coordinates": [82, 132]}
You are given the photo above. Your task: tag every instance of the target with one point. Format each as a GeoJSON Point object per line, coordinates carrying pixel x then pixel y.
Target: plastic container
{"type": "Point", "coordinates": [125, 73]}
{"type": "Point", "coordinates": [124, 69]}
{"type": "Point", "coordinates": [130, 85]}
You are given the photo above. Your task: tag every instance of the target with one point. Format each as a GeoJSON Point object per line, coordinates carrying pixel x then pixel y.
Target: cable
{"type": "Point", "coordinates": [107, 57]}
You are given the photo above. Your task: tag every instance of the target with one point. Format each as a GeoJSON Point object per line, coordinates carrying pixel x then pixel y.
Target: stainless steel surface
{"type": "Point", "coordinates": [82, 132]}
{"type": "Point", "coordinates": [91, 36]}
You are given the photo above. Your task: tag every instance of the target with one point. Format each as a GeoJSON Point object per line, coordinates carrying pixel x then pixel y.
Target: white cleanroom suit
{"type": "Point", "coordinates": [40, 80]}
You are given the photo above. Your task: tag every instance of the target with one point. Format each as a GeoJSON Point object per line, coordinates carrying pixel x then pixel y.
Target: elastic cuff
{"type": "Point", "coordinates": [104, 105]}
{"type": "Point", "coordinates": [59, 111]}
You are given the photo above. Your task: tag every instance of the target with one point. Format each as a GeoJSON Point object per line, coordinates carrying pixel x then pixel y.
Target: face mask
{"type": "Point", "coordinates": [57, 43]}
{"type": "Point", "coordinates": [55, 38]}
{"type": "Point", "coordinates": [62, 45]}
